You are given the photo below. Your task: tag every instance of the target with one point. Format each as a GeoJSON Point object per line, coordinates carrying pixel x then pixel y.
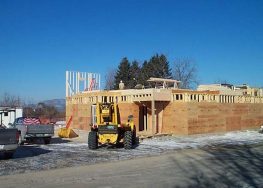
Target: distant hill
{"type": "Point", "coordinates": [60, 104]}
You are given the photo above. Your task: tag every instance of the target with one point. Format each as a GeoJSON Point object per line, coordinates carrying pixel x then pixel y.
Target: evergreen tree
{"type": "Point", "coordinates": [165, 67]}
{"type": "Point", "coordinates": [159, 67]}
{"type": "Point", "coordinates": [123, 73]}
{"type": "Point", "coordinates": [145, 73]}
{"type": "Point", "coordinates": [134, 75]}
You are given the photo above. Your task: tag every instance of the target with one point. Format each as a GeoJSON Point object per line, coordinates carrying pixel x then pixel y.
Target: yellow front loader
{"type": "Point", "coordinates": [109, 130]}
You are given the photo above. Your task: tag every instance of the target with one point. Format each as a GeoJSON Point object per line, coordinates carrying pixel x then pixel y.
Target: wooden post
{"type": "Point", "coordinates": [153, 118]}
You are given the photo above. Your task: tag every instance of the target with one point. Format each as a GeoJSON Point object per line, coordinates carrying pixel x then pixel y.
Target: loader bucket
{"type": "Point", "coordinates": [67, 133]}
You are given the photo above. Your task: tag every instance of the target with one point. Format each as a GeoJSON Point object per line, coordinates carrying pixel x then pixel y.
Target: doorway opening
{"type": "Point", "coordinates": [143, 118]}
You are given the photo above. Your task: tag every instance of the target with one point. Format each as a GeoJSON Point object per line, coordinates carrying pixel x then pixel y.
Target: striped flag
{"type": "Point", "coordinates": [31, 121]}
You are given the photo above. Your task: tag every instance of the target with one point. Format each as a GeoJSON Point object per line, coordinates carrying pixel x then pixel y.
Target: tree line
{"type": "Point", "coordinates": [40, 110]}
{"type": "Point", "coordinates": [132, 73]}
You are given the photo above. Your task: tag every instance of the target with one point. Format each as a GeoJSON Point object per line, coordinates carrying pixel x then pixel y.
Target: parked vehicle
{"type": "Point", "coordinates": [9, 114]}
{"type": "Point", "coordinates": [8, 141]}
{"type": "Point", "coordinates": [31, 129]}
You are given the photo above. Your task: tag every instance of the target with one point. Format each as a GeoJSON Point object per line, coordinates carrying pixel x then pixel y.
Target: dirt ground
{"type": "Point", "coordinates": [227, 160]}
{"type": "Point", "coordinates": [222, 167]}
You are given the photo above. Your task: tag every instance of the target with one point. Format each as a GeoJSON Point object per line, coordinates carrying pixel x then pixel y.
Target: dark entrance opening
{"type": "Point", "coordinates": [143, 118]}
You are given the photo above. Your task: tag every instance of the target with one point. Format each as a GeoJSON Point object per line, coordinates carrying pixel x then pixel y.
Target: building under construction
{"type": "Point", "coordinates": [165, 108]}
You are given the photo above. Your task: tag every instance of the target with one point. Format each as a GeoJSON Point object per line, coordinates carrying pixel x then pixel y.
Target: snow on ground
{"type": "Point", "coordinates": [197, 141]}
{"type": "Point", "coordinates": [158, 145]}
{"type": "Point", "coordinates": [67, 153]}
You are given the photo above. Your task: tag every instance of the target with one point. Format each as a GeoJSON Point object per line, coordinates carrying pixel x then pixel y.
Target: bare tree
{"type": "Point", "coordinates": [110, 79]}
{"type": "Point", "coordinates": [28, 112]}
{"type": "Point", "coordinates": [10, 100]}
{"type": "Point", "coordinates": [185, 70]}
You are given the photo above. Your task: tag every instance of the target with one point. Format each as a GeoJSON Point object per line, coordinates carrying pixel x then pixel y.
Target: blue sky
{"type": "Point", "coordinates": [40, 40]}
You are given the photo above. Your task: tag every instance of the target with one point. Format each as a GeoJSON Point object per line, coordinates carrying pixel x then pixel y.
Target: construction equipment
{"type": "Point", "coordinates": [67, 132]}
{"type": "Point", "coordinates": [109, 130]}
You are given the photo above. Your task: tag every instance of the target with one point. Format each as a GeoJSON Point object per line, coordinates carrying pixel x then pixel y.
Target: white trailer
{"type": "Point", "coordinates": [8, 115]}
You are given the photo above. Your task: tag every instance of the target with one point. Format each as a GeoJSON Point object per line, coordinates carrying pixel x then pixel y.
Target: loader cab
{"type": "Point", "coordinates": [106, 113]}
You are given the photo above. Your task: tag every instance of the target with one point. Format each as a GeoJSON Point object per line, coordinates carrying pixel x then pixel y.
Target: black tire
{"type": "Point", "coordinates": [8, 154]}
{"type": "Point", "coordinates": [93, 140]}
{"type": "Point", "coordinates": [47, 140]}
{"type": "Point", "coordinates": [20, 142]}
{"type": "Point", "coordinates": [30, 140]}
{"type": "Point", "coordinates": [128, 139]}
{"type": "Point", "coordinates": [134, 139]}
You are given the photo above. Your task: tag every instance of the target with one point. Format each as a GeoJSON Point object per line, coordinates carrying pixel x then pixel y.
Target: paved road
{"type": "Point", "coordinates": [221, 166]}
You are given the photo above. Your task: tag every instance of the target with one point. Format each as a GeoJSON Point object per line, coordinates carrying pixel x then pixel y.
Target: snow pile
{"type": "Point", "coordinates": [197, 141]}
{"type": "Point", "coordinates": [66, 147]}
{"type": "Point", "coordinates": [163, 144]}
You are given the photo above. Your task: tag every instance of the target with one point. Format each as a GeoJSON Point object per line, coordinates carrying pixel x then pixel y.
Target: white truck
{"type": "Point", "coordinates": [9, 114]}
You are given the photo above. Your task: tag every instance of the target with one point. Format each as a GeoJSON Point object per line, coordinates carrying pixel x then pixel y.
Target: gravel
{"type": "Point", "coordinates": [65, 153]}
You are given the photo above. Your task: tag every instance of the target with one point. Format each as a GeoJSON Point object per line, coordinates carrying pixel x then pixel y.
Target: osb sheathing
{"type": "Point", "coordinates": [82, 114]}
{"type": "Point", "coordinates": [182, 118]}
{"type": "Point", "coordinates": [127, 109]}
{"type": "Point", "coordinates": [196, 118]}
